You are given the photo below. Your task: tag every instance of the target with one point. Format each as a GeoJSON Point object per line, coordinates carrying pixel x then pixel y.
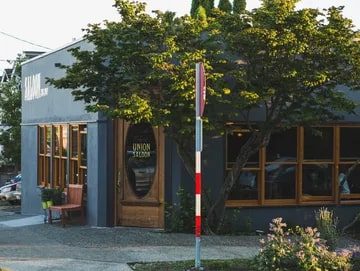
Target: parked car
{"type": "Point", "coordinates": [11, 193]}
{"type": "Point", "coordinates": [15, 179]}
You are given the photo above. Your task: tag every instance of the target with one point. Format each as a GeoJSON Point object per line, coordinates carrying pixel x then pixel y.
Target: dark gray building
{"type": "Point", "coordinates": [131, 170]}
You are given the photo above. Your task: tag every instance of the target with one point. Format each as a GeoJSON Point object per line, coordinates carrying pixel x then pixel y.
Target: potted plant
{"type": "Point", "coordinates": [46, 201]}
{"type": "Point", "coordinates": [57, 196]}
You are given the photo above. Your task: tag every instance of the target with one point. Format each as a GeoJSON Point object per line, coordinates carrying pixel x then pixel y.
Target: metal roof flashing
{"type": "Point", "coordinates": [53, 51]}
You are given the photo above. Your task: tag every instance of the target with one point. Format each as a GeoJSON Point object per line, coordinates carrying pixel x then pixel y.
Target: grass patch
{"type": "Point", "coordinates": [209, 265]}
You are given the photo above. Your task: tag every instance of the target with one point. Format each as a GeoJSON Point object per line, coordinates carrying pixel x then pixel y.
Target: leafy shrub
{"type": "Point", "coordinates": [53, 194]}
{"type": "Point", "coordinates": [354, 252]}
{"type": "Point", "coordinates": [297, 250]}
{"type": "Point", "coordinates": [180, 217]}
{"type": "Point", "coordinates": [228, 225]}
{"type": "Point", "coordinates": [327, 226]}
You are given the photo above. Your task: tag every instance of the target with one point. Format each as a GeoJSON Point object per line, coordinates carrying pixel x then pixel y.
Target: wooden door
{"type": "Point", "coordinates": [139, 158]}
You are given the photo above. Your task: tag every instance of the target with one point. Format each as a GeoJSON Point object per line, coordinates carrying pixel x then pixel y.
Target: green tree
{"type": "Point", "coordinates": [287, 62]}
{"type": "Point", "coordinates": [10, 117]}
{"type": "Point", "coordinates": [225, 6]}
{"type": "Point", "coordinates": [239, 6]}
{"type": "Point", "coordinates": [290, 63]}
{"type": "Point", "coordinates": [201, 16]}
{"type": "Point", "coordinates": [208, 5]}
{"type": "Point", "coordinates": [150, 81]}
{"type": "Point", "coordinates": [195, 4]}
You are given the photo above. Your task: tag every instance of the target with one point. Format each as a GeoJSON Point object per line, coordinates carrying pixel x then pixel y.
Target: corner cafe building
{"type": "Point", "coordinates": [130, 171]}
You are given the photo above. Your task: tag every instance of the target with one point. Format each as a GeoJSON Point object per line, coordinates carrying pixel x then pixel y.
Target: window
{"type": "Point", "coordinates": [280, 167]}
{"type": "Point", "coordinates": [348, 176]}
{"type": "Point", "coordinates": [78, 154]}
{"type": "Point", "coordinates": [53, 155]}
{"type": "Point", "coordinates": [316, 165]}
{"type": "Point", "coordinates": [317, 170]}
{"type": "Point", "coordinates": [41, 157]}
{"type": "Point", "coordinates": [318, 143]}
{"type": "Point", "coordinates": [83, 155]}
{"type": "Point", "coordinates": [235, 140]}
{"type": "Point", "coordinates": [246, 187]}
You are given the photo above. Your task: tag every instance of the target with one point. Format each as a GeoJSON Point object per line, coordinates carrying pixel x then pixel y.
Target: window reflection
{"type": "Point", "coordinates": [317, 180]}
{"type": "Point", "coordinates": [246, 187]}
{"type": "Point", "coordinates": [64, 139]}
{"type": "Point", "coordinates": [83, 149]}
{"type": "Point", "coordinates": [280, 181]}
{"type": "Point", "coordinates": [318, 143]}
{"type": "Point", "coordinates": [282, 146]}
{"type": "Point", "coordinates": [57, 141]}
{"type": "Point", "coordinates": [74, 141]}
{"type": "Point", "coordinates": [349, 143]}
{"type": "Point", "coordinates": [42, 139]}
{"type": "Point", "coordinates": [349, 178]}
{"type": "Point", "coordinates": [235, 140]}
{"type": "Point", "coordinates": [48, 140]}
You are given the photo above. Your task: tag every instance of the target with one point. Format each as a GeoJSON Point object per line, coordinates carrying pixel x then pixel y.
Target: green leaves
{"type": "Point", "coordinates": [239, 6]}
{"type": "Point", "coordinates": [287, 62]}
{"type": "Point", "coordinates": [10, 117]}
{"type": "Point", "coordinates": [225, 6]}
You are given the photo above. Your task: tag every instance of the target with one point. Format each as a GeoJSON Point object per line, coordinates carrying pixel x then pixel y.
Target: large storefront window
{"type": "Point", "coordinates": [299, 166]}
{"type": "Point", "coordinates": [54, 157]}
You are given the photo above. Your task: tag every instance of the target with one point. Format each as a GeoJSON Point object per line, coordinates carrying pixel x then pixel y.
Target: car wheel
{"type": "Point", "coordinates": [12, 202]}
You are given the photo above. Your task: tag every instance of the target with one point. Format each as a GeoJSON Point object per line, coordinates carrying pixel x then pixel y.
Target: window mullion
{"type": "Point", "coordinates": [300, 158]}
{"type": "Point", "coordinates": [261, 182]}
{"type": "Point", "coordinates": [336, 164]}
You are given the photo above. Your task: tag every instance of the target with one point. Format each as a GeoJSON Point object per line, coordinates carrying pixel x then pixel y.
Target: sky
{"type": "Point", "coordinates": [54, 23]}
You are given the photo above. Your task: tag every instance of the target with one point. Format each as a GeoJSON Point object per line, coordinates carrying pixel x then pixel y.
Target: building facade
{"type": "Point", "coordinates": [131, 170]}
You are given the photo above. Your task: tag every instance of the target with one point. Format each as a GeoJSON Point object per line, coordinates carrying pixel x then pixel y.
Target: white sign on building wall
{"type": "Point", "coordinates": [33, 88]}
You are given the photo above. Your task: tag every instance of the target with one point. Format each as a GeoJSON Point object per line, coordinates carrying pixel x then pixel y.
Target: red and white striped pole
{"type": "Point", "coordinates": [200, 104]}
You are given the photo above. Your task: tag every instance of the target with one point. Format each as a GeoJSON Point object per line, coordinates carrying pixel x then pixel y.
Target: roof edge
{"type": "Point", "coordinates": [53, 51]}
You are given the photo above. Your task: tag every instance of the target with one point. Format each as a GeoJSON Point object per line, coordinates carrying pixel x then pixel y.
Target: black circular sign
{"type": "Point", "coordinates": [140, 158]}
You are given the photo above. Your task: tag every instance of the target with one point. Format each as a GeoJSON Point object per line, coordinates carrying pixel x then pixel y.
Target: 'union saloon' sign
{"type": "Point", "coordinates": [141, 150]}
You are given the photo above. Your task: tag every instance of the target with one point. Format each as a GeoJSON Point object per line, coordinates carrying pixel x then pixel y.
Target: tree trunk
{"type": "Point", "coordinates": [351, 224]}
{"type": "Point", "coordinates": [216, 212]}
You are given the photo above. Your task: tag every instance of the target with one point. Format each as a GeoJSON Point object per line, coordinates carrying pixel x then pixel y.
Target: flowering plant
{"type": "Point", "coordinates": [297, 250]}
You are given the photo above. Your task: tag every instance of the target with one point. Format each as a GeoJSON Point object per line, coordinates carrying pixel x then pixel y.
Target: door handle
{"type": "Point", "coordinates": [118, 180]}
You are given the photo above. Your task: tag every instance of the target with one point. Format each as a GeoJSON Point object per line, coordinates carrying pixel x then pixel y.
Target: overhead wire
{"type": "Point", "coordinates": [26, 41]}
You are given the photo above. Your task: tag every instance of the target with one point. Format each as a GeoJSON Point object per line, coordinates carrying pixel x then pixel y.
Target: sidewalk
{"type": "Point", "coordinates": [28, 244]}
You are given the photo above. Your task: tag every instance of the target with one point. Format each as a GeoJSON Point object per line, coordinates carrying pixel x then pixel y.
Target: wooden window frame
{"type": "Point", "coordinates": [345, 199]}
{"type": "Point", "coordinates": [335, 199]}
{"type": "Point", "coordinates": [41, 156]}
{"type": "Point", "coordinates": [76, 169]}
{"type": "Point", "coordinates": [59, 167]}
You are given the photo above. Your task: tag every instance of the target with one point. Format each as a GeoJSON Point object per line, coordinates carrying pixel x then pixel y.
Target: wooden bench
{"type": "Point", "coordinates": [74, 203]}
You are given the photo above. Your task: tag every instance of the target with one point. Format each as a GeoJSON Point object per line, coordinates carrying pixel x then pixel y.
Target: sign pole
{"type": "Point", "coordinates": [200, 95]}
